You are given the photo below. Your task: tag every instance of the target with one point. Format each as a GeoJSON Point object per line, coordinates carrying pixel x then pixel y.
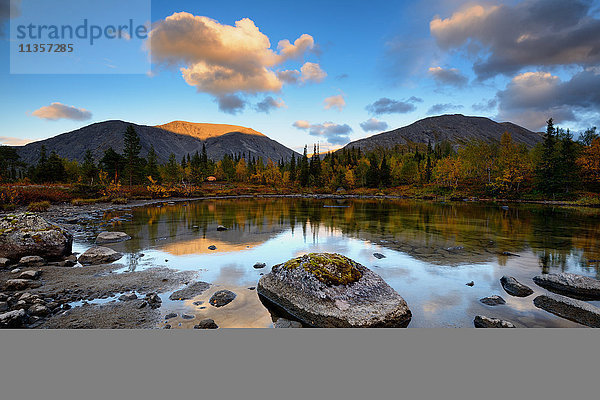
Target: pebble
{"type": "Point", "coordinates": [471, 283]}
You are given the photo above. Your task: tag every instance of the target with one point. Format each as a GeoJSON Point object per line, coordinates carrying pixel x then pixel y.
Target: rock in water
{"type": "Point", "coordinates": [222, 298]}
{"type": "Point", "coordinates": [28, 234]}
{"type": "Point", "coordinates": [206, 324]}
{"type": "Point", "coordinates": [99, 255]}
{"type": "Point", "coordinates": [378, 256]}
{"type": "Point", "coordinates": [571, 309]}
{"type": "Point", "coordinates": [486, 322]}
{"type": "Point", "coordinates": [493, 300]}
{"type": "Point", "coordinates": [514, 287]}
{"type": "Point", "coordinates": [259, 265]}
{"type": "Point", "coordinates": [153, 300]}
{"type": "Point", "coordinates": [221, 228]}
{"type": "Point", "coordinates": [286, 323]}
{"type": "Point", "coordinates": [192, 290]}
{"type": "Point", "coordinates": [330, 290]}
{"type": "Point", "coordinates": [212, 247]}
{"type": "Point", "coordinates": [112, 237]}
{"type": "Point", "coordinates": [572, 285]}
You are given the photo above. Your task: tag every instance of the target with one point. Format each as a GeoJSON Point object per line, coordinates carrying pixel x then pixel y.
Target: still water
{"type": "Point", "coordinates": [432, 250]}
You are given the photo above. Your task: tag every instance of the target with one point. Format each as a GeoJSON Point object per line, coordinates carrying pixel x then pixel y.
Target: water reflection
{"type": "Point", "coordinates": [432, 249]}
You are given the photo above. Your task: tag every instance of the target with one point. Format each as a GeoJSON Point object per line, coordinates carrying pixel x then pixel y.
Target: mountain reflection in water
{"type": "Point", "coordinates": [432, 249]}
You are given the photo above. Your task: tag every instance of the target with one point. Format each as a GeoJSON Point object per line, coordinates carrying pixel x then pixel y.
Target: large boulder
{"type": "Point", "coordinates": [514, 287]}
{"type": "Point", "coordinates": [572, 285]}
{"type": "Point", "coordinates": [111, 237]}
{"type": "Point", "coordinates": [12, 319]}
{"type": "Point", "coordinates": [29, 234]}
{"type": "Point", "coordinates": [571, 309]}
{"type": "Point", "coordinates": [99, 255]}
{"type": "Point", "coordinates": [330, 290]}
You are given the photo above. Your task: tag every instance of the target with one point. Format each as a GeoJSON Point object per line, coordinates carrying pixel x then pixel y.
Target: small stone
{"type": "Point", "coordinates": [20, 284]}
{"type": "Point", "coordinates": [187, 316]}
{"type": "Point", "coordinates": [259, 265]}
{"type": "Point", "coordinates": [514, 287]}
{"type": "Point", "coordinates": [12, 319]}
{"type": "Point", "coordinates": [493, 300]}
{"type": "Point", "coordinates": [112, 237]}
{"type": "Point", "coordinates": [378, 256]}
{"type": "Point", "coordinates": [212, 247]}
{"type": "Point", "coordinates": [128, 297]}
{"type": "Point", "coordinates": [4, 262]}
{"type": "Point", "coordinates": [39, 310]}
{"type": "Point", "coordinates": [286, 323]}
{"type": "Point", "coordinates": [153, 300]}
{"type": "Point", "coordinates": [206, 324]}
{"type": "Point", "coordinates": [167, 326]}
{"type": "Point", "coordinates": [252, 288]}
{"type": "Point", "coordinates": [192, 290]}
{"type": "Point", "coordinates": [142, 304]}
{"type": "Point", "coordinates": [198, 303]}
{"type": "Point", "coordinates": [221, 228]}
{"type": "Point", "coordinates": [15, 271]}
{"type": "Point", "coordinates": [222, 298]}
{"type": "Point", "coordinates": [31, 261]}
{"type": "Point", "coordinates": [171, 315]}
{"type": "Point", "coordinates": [486, 322]}
{"type": "Point", "coordinates": [30, 274]}
{"type": "Point", "coordinates": [99, 255]}
{"type": "Point", "coordinates": [3, 306]}
{"type": "Point", "coordinates": [471, 283]}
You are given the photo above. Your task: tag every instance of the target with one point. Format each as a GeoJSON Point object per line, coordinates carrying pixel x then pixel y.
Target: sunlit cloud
{"type": "Point", "coordinates": [448, 76]}
{"type": "Point", "coordinates": [14, 141]}
{"type": "Point", "coordinates": [56, 111]}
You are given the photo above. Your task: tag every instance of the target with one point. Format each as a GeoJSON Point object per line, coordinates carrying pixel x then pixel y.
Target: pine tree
{"type": "Point", "coordinates": [131, 152]}
{"type": "Point", "coordinates": [113, 163]}
{"type": "Point", "coordinates": [293, 168]}
{"type": "Point", "coordinates": [88, 168]}
{"type": "Point", "coordinates": [385, 175]}
{"type": "Point", "coordinates": [304, 169]}
{"type": "Point", "coordinates": [372, 176]}
{"type": "Point", "coordinates": [152, 164]}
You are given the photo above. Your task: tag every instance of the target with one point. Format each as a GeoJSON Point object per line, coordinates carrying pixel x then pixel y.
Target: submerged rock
{"type": "Point", "coordinates": [286, 323]}
{"type": "Point", "coordinates": [112, 237]}
{"type": "Point", "coordinates": [482, 321]}
{"type": "Point", "coordinates": [330, 290]}
{"type": "Point", "coordinates": [222, 298]}
{"type": "Point", "coordinates": [29, 234]}
{"type": "Point", "coordinates": [571, 309]}
{"type": "Point", "coordinates": [171, 315]}
{"type": "Point", "coordinates": [206, 324]}
{"type": "Point", "coordinates": [99, 255]}
{"type": "Point", "coordinates": [493, 300]}
{"type": "Point", "coordinates": [192, 290]}
{"type": "Point", "coordinates": [378, 256]}
{"type": "Point", "coordinates": [572, 285]}
{"type": "Point", "coordinates": [514, 287]}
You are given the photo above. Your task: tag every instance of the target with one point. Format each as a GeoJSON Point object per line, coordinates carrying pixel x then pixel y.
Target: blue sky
{"type": "Point", "coordinates": [389, 55]}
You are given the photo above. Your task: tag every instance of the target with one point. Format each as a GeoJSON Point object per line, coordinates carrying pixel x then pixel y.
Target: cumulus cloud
{"type": "Point", "coordinates": [448, 76]}
{"type": "Point", "coordinates": [531, 98]}
{"type": "Point", "coordinates": [57, 111]}
{"type": "Point", "coordinates": [389, 106]}
{"type": "Point", "coordinates": [231, 104]}
{"type": "Point", "coordinates": [268, 104]}
{"type": "Point", "coordinates": [373, 125]}
{"type": "Point", "coordinates": [441, 108]}
{"type": "Point", "coordinates": [485, 105]}
{"type": "Point", "coordinates": [335, 102]}
{"type": "Point", "coordinates": [333, 133]}
{"type": "Point", "coordinates": [14, 141]}
{"type": "Point", "coordinates": [225, 60]}
{"type": "Point", "coordinates": [507, 38]}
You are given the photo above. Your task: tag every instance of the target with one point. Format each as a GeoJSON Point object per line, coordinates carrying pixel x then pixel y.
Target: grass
{"type": "Point", "coordinates": [39, 206]}
{"type": "Point", "coordinates": [329, 268]}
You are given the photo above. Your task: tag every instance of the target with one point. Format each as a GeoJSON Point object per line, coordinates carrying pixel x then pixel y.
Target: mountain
{"type": "Point", "coordinates": [457, 129]}
{"type": "Point", "coordinates": [177, 137]}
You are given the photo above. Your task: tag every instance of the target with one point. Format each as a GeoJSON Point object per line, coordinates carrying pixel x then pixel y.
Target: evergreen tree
{"type": "Point", "coordinates": [55, 169]}
{"type": "Point", "coordinates": [88, 169]}
{"type": "Point", "coordinates": [546, 170]}
{"type": "Point", "coordinates": [372, 176]}
{"type": "Point", "coordinates": [196, 168]}
{"type": "Point", "coordinates": [113, 163]}
{"type": "Point", "coordinates": [304, 169]}
{"type": "Point", "coordinates": [172, 169]}
{"type": "Point", "coordinates": [131, 152]}
{"type": "Point", "coordinates": [293, 168]}
{"type": "Point", "coordinates": [152, 164]}
{"type": "Point", "coordinates": [385, 175]}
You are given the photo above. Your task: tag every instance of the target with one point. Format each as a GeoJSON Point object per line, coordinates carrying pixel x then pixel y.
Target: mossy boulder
{"type": "Point", "coordinates": [331, 290]}
{"type": "Point", "coordinates": [29, 234]}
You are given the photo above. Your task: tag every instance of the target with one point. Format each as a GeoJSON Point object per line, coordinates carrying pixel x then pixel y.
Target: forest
{"type": "Point", "coordinates": [559, 167]}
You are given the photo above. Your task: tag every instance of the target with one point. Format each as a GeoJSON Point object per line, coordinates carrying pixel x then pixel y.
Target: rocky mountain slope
{"type": "Point", "coordinates": [457, 129]}
{"type": "Point", "coordinates": [178, 137]}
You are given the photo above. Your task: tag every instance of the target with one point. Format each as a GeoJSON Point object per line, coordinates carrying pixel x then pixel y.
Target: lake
{"type": "Point", "coordinates": [432, 250]}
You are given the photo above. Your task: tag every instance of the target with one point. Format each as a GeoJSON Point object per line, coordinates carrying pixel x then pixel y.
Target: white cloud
{"type": "Point", "coordinates": [57, 111]}
{"type": "Point", "coordinates": [374, 125]}
{"type": "Point", "coordinates": [312, 72]}
{"type": "Point", "coordinates": [335, 102]}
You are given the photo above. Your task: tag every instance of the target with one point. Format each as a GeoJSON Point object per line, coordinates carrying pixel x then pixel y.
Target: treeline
{"type": "Point", "coordinates": [555, 168]}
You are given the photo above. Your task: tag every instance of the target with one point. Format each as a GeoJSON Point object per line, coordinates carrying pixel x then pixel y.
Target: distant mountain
{"type": "Point", "coordinates": [457, 129]}
{"type": "Point", "coordinates": [177, 137]}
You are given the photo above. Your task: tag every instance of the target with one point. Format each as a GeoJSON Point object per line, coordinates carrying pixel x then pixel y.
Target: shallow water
{"type": "Point", "coordinates": [432, 250]}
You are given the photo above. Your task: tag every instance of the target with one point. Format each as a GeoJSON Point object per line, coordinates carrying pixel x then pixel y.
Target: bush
{"type": "Point", "coordinates": [39, 206]}
{"type": "Point", "coordinates": [82, 202]}
{"type": "Point", "coordinates": [119, 200]}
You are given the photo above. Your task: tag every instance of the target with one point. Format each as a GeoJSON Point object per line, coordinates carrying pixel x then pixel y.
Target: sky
{"type": "Point", "coordinates": [327, 72]}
